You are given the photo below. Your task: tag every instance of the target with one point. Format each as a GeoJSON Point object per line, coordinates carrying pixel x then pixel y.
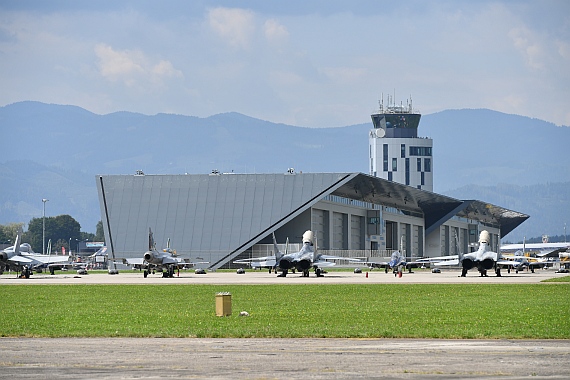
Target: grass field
{"type": "Point", "coordinates": [367, 311]}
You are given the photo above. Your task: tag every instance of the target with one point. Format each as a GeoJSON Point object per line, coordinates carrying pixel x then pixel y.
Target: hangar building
{"type": "Point", "coordinates": [220, 217]}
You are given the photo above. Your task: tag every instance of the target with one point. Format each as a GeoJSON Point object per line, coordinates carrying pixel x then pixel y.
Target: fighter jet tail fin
{"type": "Point", "coordinates": [278, 254]}
{"type": "Point", "coordinates": [151, 245]}
{"type": "Point", "coordinates": [18, 242]}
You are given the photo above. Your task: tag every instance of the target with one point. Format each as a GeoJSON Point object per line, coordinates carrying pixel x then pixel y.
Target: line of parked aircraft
{"type": "Point", "coordinates": [21, 258]}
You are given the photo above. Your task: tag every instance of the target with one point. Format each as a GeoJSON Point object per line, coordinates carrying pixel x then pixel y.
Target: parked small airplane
{"type": "Point", "coordinates": [518, 263]}
{"type": "Point", "coordinates": [398, 262]}
{"type": "Point", "coordinates": [165, 261]}
{"type": "Point", "coordinates": [26, 260]}
{"type": "Point", "coordinates": [308, 257]}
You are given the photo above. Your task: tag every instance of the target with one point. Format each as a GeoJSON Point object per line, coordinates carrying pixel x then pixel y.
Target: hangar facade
{"type": "Point", "coordinates": [220, 217]}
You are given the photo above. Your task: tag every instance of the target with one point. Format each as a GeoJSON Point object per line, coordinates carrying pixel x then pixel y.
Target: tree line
{"type": "Point", "coordinates": [63, 230]}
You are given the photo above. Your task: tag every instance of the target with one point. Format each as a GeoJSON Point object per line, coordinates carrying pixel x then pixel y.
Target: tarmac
{"type": "Point", "coordinates": [221, 358]}
{"type": "Point", "coordinates": [423, 276]}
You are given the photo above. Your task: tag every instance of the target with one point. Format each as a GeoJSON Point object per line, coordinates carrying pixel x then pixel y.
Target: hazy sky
{"type": "Point", "coordinates": [306, 63]}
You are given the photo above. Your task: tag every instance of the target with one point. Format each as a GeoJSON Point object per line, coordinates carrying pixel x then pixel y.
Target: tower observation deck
{"type": "Point", "coordinates": [396, 152]}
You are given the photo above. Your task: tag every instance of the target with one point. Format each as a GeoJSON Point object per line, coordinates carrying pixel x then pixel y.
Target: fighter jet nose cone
{"type": "Point", "coordinates": [484, 237]}
{"type": "Point", "coordinates": [308, 237]}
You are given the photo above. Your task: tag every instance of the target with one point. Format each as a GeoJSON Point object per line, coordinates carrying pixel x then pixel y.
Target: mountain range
{"type": "Point", "coordinates": [55, 151]}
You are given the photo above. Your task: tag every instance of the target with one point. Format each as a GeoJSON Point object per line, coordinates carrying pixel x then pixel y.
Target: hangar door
{"type": "Point", "coordinates": [340, 231]}
{"type": "Point", "coordinates": [320, 227]}
{"type": "Point", "coordinates": [356, 232]}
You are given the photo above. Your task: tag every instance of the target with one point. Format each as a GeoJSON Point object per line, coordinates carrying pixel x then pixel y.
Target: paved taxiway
{"type": "Point", "coordinates": [263, 277]}
{"type": "Point", "coordinates": [145, 358]}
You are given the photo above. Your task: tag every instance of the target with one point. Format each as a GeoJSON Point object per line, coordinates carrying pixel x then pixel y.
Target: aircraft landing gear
{"type": "Point", "coordinates": [319, 272]}
{"type": "Point", "coordinates": [283, 273]}
{"type": "Point", "coordinates": [464, 272]}
{"type": "Point", "coordinates": [145, 273]}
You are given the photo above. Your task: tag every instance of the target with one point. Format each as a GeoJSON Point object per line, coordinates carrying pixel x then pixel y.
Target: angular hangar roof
{"type": "Point", "coordinates": [222, 215]}
{"type": "Point", "coordinates": [437, 209]}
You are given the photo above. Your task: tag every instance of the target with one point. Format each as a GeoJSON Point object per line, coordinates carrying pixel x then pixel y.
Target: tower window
{"type": "Point", "coordinates": [427, 164]}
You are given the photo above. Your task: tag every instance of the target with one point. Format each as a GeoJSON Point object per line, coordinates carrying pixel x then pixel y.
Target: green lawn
{"type": "Point", "coordinates": [377, 310]}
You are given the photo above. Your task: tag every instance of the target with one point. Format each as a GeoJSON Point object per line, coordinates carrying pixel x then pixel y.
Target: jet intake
{"type": "Point", "coordinates": [302, 265]}
{"type": "Point", "coordinates": [468, 264]}
{"type": "Point", "coordinates": [3, 257]}
{"type": "Point", "coordinates": [285, 263]}
{"type": "Point", "coordinates": [487, 263]}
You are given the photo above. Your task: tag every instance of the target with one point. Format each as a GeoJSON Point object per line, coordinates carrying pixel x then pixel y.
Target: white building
{"type": "Point", "coordinates": [396, 153]}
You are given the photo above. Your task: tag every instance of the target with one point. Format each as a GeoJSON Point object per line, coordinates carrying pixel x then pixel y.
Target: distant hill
{"type": "Point", "coordinates": [55, 151]}
{"type": "Point", "coordinates": [487, 148]}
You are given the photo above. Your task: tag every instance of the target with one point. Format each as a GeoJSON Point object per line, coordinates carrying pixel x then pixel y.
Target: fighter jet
{"type": "Point", "coordinates": [308, 257]}
{"type": "Point", "coordinates": [165, 261]}
{"type": "Point", "coordinates": [397, 262]}
{"type": "Point", "coordinates": [22, 258]}
{"type": "Point", "coordinates": [484, 259]}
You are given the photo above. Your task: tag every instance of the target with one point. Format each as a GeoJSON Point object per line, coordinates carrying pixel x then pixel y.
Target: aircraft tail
{"type": "Point", "coordinates": [278, 253]}
{"type": "Point", "coordinates": [49, 248]}
{"type": "Point", "coordinates": [18, 242]}
{"type": "Point", "coordinates": [458, 247]}
{"type": "Point", "coordinates": [151, 245]}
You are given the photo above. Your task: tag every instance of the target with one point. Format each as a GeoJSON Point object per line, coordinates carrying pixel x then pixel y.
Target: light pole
{"type": "Point", "coordinates": [44, 228]}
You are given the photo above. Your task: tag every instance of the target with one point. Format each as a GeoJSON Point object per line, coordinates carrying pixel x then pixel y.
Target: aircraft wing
{"type": "Point", "coordinates": [447, 263]}
{"type": "Point", "coordinates": [377, 264]}
{"type": "Point", "coordinates": [198, 262]}
{"type": "Point", "coordinates": [48, 259]}
{"type": "Point", "coordinates": [21, 260]}
{"type": "Point", "coordinates": [322, 261]}
{"type": "Point", "coordinates": [329, 257]}
{"type": "Point", "coordinates": [135, 261]}
{"type": "Point", "coordinates": [324, 264]}
{"type": "Point", "coordinates": [509, 263]}
{"type": "Point", "coordinates": [166, 260]}
{"type": "Point", "coordinates": [258, 262]}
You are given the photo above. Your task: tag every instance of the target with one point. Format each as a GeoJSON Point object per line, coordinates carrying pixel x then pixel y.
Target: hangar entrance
{"type": "Point", "coordinates": [391, 235]}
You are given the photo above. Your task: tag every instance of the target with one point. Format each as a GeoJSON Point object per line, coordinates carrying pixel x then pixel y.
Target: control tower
{"type": "Point", "coordinates": [396, 152]}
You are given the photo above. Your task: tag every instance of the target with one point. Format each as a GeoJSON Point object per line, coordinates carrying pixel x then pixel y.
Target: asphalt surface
{"type": "Point", "coordinates": [451, 276]}
{"type": "Point", "coordinates": [191, 358]}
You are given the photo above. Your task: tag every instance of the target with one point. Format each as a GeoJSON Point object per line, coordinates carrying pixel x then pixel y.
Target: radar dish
{"type": "Point", "coordinates": [380, 132]}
